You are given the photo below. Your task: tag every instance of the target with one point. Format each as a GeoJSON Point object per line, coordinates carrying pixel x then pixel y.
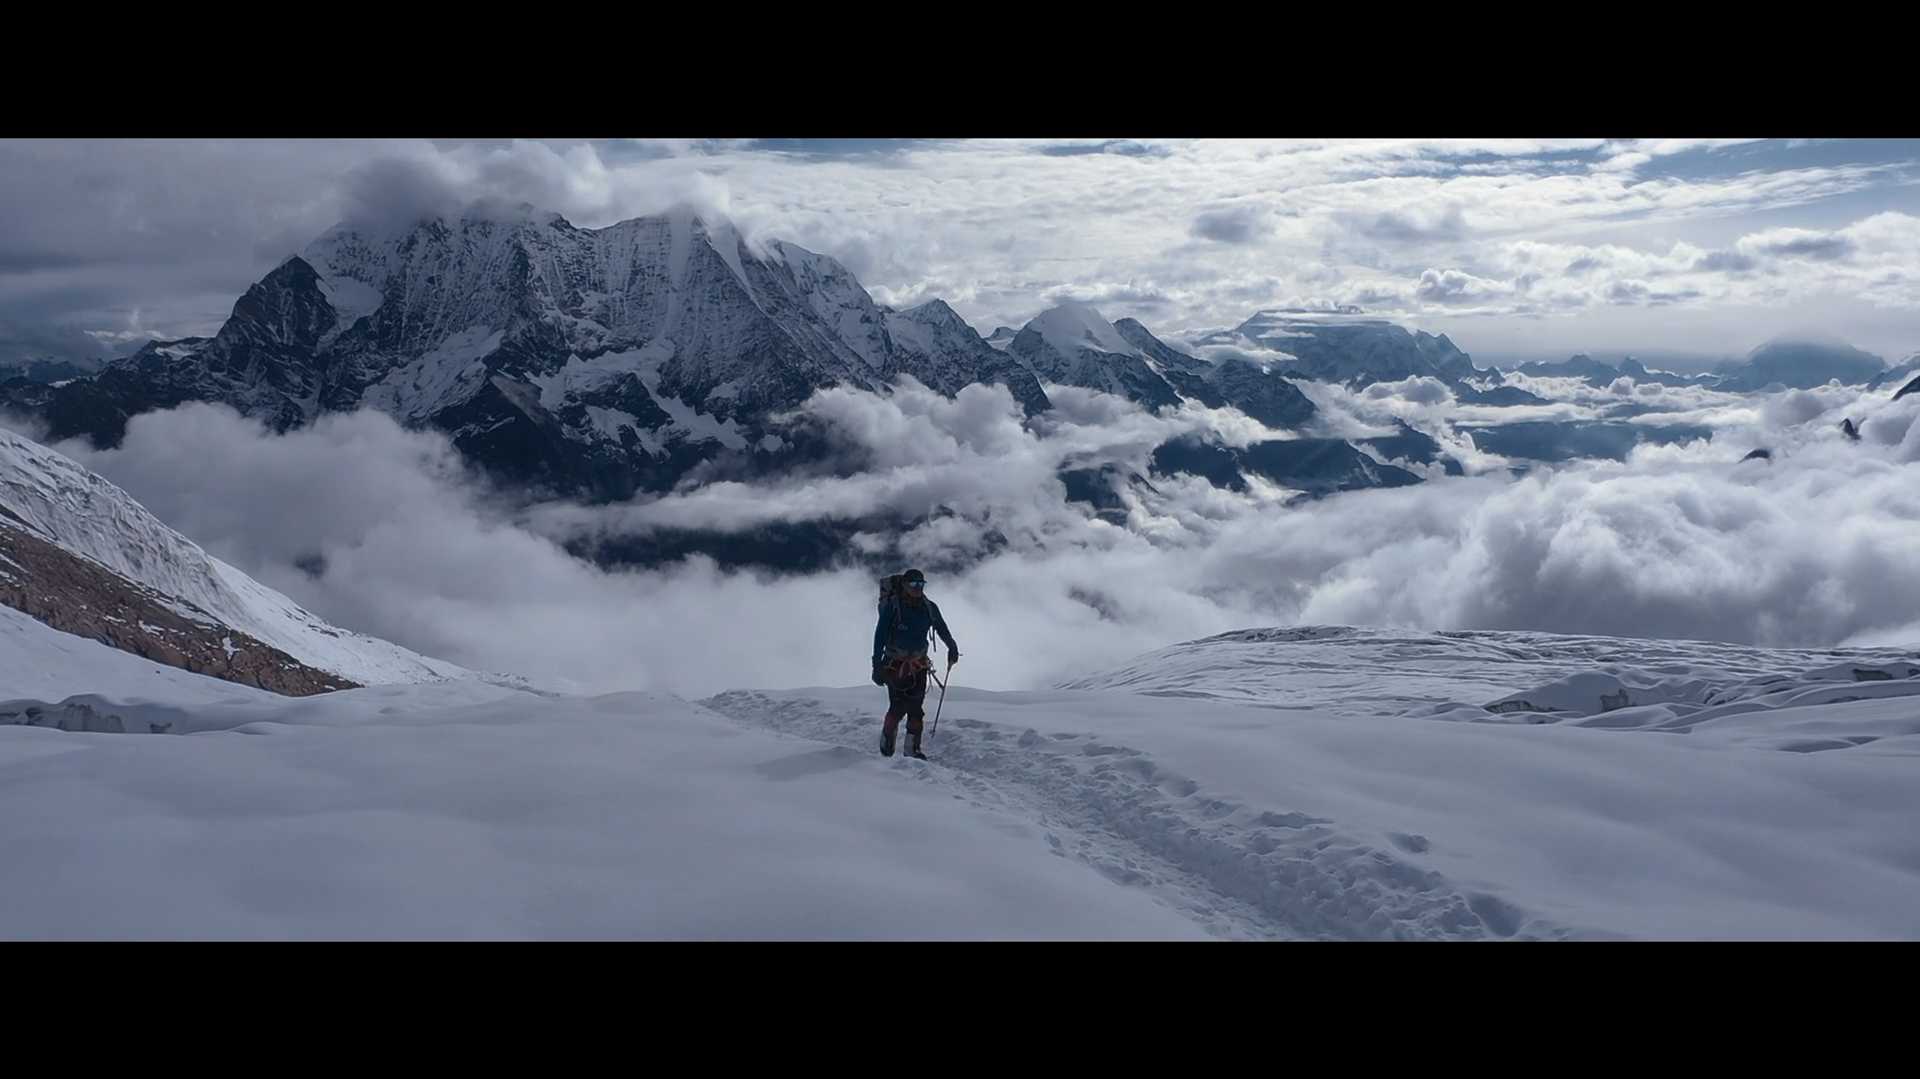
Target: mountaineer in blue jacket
{"type": "Point", "coordinates": [900, 659]}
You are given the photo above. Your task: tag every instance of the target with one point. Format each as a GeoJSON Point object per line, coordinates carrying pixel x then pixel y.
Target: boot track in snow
{"type": "Point", "coordinates": [1239, 872]}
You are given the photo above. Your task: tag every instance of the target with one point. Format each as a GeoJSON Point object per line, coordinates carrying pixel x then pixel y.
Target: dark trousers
{"type": "Point", "coordinates": [906, 696]}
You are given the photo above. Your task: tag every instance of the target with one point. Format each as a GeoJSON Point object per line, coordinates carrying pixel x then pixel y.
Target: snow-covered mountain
{"type": "Point", "coordinates": [1896, 374]}
{"type": "Point", "coordinates": [1344, 347]}
{"type": "Point", "coordinates": [936, 346]}
{"type": "Point", "coordinates": [1073, 345]}
{"type": "Point", "coordinates": [584, 360]}
{"type": "Point", "coordinates": [66, 505]}
{"type": "Point", "coordinates": [1801, 363]}
{"type": "Point", "coordinates": [1600, 374]}
{"type": "Point", "coordinates": [609, 361]}
{"type": "Point", "coordinates": [1259, 392]}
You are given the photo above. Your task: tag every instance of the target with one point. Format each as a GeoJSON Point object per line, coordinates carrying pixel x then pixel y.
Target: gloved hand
{"type": "Point", "coordinates": [879, 676]}
{"type": "Point", "coordinates": [952, 658]}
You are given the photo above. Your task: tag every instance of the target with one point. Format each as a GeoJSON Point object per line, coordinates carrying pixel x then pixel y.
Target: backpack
{"type": "Point", "coordinates": [892, 593]}
{"type": "Point", "coordinates": [891, 588]}
{"type": "Point", "coordinates": [889, 594]}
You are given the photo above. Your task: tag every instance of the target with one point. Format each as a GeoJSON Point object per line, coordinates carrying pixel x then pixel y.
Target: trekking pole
{"type": "Point", "coordinates": [943, 700]}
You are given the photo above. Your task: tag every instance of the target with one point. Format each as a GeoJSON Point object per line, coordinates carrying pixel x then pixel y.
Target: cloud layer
{"type": "Point", "coordinates": [380, 529]}
{"type": "Point", "coordinates": [1536, 246]}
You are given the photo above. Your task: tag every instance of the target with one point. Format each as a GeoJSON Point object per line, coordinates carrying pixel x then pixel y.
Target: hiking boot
{"type": "Point", "coordinates": [913, 746]}
{"type": "Point", "coordinates": [886, 743]}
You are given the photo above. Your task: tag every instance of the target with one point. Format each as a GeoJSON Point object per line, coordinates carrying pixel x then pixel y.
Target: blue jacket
{"type": "Point", "coordinates": [910, 623]}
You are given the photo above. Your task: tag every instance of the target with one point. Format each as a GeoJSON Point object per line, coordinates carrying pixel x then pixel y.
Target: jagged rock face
{"type": "Point", "coordinates": [936, 346]}
{"type": "Point", "coordinates": [1187, 374]}
{"type": "Point", "coordinates": [26, 394]}
{"type": "Point", "coordinates": [1415, 446]}
{"type": "Point", "coordinates": [470, 315]}
{"type": "Point", "coordinates": [1205, 458]}
{"type": "Point", "coordinates": [1100, 488]}
{"type": "Point", "coordinates": [1322, 466]}
{"type": "Point", "coordinates": [263, 362]}
{"type": "Point", "coordinates": [1503, 396]}
{"type": "Point", "coordinates": [1256, 391]}
{"type": "Point", "coordinates": [86, 599]}
{"type": "Point", "coordinates": [1266, 397]}
{"type": "Point", "coordinates": [44, 371]}
{"type": "Point", "coordinates": [1536, 440]}
{"type": "Point", "coordinates": [265, 353]}
{"type": "Point", "coordinates": [1911, 387]}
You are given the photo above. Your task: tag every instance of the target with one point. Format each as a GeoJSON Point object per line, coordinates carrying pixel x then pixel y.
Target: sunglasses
{"type": "Point", "coordinates": [916, 585]}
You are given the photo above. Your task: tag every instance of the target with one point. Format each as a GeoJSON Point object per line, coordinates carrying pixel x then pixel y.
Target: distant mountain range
{"type": "Point", "coordinates": [603, 363]}
{"type": "Point", "coordinates": [599, 363]}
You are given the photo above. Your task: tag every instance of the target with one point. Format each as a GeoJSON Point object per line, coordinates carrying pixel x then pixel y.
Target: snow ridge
{"type": "Point", "coordinates": [82, 512]}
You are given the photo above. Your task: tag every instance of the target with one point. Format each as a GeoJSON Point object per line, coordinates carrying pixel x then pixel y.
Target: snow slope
{"type": "Point", "coordinates": [1315, 796]}
{"type": "Point", "coordinates": [1347, 670]}
{"type": "Point", "coordinates": [471, 810]}
{"type": "Point", "coordinates": [85, 514]}
{"type": "Point", "coordinates": [1312, 799]}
